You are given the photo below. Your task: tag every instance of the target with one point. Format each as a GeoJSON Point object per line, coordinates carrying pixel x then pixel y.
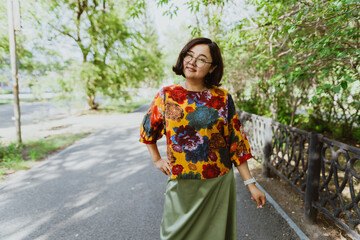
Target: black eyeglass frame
{"type": "Point", "coordinates": [196, 60]}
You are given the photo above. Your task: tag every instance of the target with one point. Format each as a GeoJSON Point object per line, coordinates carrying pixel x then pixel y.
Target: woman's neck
{"type": "Point", "coordinates": [194, 86]}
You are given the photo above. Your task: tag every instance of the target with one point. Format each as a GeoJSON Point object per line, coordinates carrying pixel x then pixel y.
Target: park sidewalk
{"type": "Point", "coordinates": [105, 187]}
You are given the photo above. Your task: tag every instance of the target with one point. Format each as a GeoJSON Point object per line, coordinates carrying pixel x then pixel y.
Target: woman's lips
{"type": "Point", "coordinates": [191, 69]}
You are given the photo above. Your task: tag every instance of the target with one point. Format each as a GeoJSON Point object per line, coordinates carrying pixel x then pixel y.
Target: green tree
{"type": "Point", "coordinates": [295, 61]}
{"type": "Point", "coordinates": [302, 52]}
{"type": "Point", "coordinates": [115, 53]}
{"type": "Point", "coordinates": [29, 47]}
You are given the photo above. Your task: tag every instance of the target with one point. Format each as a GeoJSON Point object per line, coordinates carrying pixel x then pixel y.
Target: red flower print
{"type": "Point", "coordinates": [219, 92]}
{"type": "Point", "coordinates": [189, 109]}
{"type": "Point", "coordinates": [199, 98]}
{"type": "Point", "coordinates": [233, 147]}
{"type": "Point", "coordinates": [177, 169]}
{"type": "Point", "coordinates": [151, 105]}
{"type": "Point", "coordinates": [168, 140]}
{"type": "Point", "coordinates": [220, 127]}
{"type": "Point", "coordinates": [241, 150]}
{"type": "Point", "coordinates": [210, 171]}
{"type": "Point", "coordinates": [212, 156]}
{"type": "Point", "coordinates": [155, 117]}
{"type": "Point", "coordinates": [216, 102]}
{"type": "Point", "coordinates": [237, 124]}
{"type": "Point", "coordinates": [178, 94]}
{"type": "Point", "coordinates": [177, 148]}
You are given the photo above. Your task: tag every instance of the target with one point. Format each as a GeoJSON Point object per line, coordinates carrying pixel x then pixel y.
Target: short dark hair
{"type": "Point", "coordinates": [212, 79]}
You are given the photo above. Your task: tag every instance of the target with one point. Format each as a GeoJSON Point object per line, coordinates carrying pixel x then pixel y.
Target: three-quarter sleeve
{"type": "Point", "coordinates": [152, 126]}
{"type": "Point", "coordinates": [238, 143]}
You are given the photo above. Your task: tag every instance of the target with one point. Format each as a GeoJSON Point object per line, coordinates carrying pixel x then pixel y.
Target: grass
{"type": "Point", "coordinates": [4, 91]}
{"type": "Point", "coordinates": [123, 107]}
{"type": "Point", "coordinates": [5, 101]}
{"type": "Point", "coordinates": [10, 101]}
{"type": "Point", "coordinates": [19, 157]}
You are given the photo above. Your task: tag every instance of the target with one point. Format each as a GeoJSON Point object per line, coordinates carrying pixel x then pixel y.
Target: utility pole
{"type": "Point", "coordinates": [13, 9]}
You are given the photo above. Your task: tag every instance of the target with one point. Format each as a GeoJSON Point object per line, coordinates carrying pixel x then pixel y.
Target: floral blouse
{"type": "Point", "coordinates": [203, 131]}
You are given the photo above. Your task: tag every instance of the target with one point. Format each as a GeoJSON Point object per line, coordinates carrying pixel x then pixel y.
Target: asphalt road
{"type": "Point", "coordinates": [106, 187]}
{"type": "Point", "coordinates": [32, 112]}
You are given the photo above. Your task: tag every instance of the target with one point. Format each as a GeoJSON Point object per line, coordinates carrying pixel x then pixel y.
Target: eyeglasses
{"type": "Point", "coordinates": [199, 62]}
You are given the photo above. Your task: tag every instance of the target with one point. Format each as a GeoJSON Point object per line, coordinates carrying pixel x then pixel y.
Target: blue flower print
{"type": "Point", "coordinates": [200, 153]}
{"type": "Point", "coordinates": [231, 107]}
{"type": "Point", "coordinates": [225, 158]}
{"type": "Point", "coordinates": [190, 175]}
{"type": "Point", "coordinates": [203, 117]}
{"type": "Point", "coordinates": [147, 125]}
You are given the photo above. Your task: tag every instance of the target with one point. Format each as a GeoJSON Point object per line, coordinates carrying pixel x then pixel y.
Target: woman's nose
{"type": "Point", "coordinates": [192, 61]}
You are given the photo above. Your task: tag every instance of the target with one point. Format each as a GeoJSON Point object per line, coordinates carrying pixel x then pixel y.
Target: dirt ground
{"type": "Point", "coordinates": [288, 199]}
{"type": "Point", "coordinates": [294, 206]}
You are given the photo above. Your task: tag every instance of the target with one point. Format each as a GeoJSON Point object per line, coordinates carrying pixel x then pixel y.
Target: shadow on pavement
{"type": "Point", "coordinates": [106, 187]}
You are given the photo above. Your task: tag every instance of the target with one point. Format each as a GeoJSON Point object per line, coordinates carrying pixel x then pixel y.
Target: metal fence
{"type": "Point", "coordinates": [325, 172]}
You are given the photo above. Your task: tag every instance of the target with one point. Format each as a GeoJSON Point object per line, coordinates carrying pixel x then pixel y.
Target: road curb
{"type": "Point", "coordinates": [297, 230]}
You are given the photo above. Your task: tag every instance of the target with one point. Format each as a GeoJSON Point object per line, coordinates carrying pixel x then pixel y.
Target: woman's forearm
{"type": "Point", "coordinates": [257, 195]}
{"type": "Point", "coordinates": [163, 164]}
{"type": "Point", "coordinates": [244, 171]}
{"type": "Point", "coordinates": [154, 152]}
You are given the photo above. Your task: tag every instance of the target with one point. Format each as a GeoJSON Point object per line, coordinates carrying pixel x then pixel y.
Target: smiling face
{"type": "Point", "coordinates": [200, 52]}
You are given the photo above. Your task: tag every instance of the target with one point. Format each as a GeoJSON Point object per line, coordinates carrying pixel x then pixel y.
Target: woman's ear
{"type": "Point", "coordinates": [212, 69]}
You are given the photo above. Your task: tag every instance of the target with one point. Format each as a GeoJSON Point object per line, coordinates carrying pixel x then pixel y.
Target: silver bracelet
{"type": "Point", "coordinates": [251, 180]}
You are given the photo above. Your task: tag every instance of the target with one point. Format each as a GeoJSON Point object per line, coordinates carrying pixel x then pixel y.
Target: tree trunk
{"type": "Point", "coordinates": [91, 101]}
{"type": "Point", "coordinates": [274, 109]}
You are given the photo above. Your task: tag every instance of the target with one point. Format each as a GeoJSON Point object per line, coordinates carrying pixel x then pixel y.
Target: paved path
{"type": "Point", "coordinates": [32, 112]}
{"type": "Point", "coordinates": [105, 187]}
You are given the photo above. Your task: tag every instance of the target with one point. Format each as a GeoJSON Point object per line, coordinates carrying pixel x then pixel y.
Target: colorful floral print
{"type": "Point", "coordinates": [190, 175]}
{"type": "Point", "coordinates": [203, 131]}
{"type": "Point", "coordinates": [173, 111]}
{"type": "Point", "coordinates": [178, 94]}
{"type": "Point", "coordinates": [170, 156]}
{"type": "Point", "coordinates": [217, 141]}
{"type": "Point", "coordinates": [219, 92]}
{"type": "Point", "coordinates": [187, 137]}
{"type": "Point", "coordinates": [192, 166]}
{"type": "Point", "coordinates": [212, 156]}
{"type": "Point", "coordinates": [177, 169]}
{"type": "Point", "coordinates": [203, 118]}
{"type": "Point", "coordinates": [216, 102]}
{"type": "Point", "coordinates": [198, 154]}
{"type": "Point", "coordinates": [199, 98]}
{"type": "Point", "coordinates": [211, 171]}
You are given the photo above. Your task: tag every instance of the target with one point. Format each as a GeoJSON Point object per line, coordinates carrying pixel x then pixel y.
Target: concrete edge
{"type": "Point", "coordinates": [297, 230]}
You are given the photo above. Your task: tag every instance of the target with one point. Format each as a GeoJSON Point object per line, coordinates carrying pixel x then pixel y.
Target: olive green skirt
{"type": "Point", "coordinates": [200, 209]}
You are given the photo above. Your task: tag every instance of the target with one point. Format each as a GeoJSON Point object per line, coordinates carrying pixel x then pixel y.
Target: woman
{"type": "Point", "coordinates": [204, 139]}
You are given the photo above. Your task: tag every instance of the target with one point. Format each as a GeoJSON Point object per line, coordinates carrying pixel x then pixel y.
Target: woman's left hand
{"type": "Point", "coordinates": [257, 195]}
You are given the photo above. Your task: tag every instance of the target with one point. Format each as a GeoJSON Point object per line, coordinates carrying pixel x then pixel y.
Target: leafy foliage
{"type": "Point", "coordinates": [295, 61]}
{"type": "Point", "coordinates": [305, 58]}
{"type": "Point", "coordinates": [30, 49]}
{"type": "Point", "coordinates": [116, 50]}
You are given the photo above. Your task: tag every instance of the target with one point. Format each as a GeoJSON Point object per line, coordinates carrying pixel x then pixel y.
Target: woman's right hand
{"type": "Point", "coordinates": [164, 165]}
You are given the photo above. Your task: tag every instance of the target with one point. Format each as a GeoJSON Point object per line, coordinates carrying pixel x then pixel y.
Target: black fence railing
{"type": "Point", "coordinates": [325, 172]}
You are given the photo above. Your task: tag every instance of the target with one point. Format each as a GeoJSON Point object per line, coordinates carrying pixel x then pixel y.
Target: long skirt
{"type": "Point", "coordinates": [200, 209]}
